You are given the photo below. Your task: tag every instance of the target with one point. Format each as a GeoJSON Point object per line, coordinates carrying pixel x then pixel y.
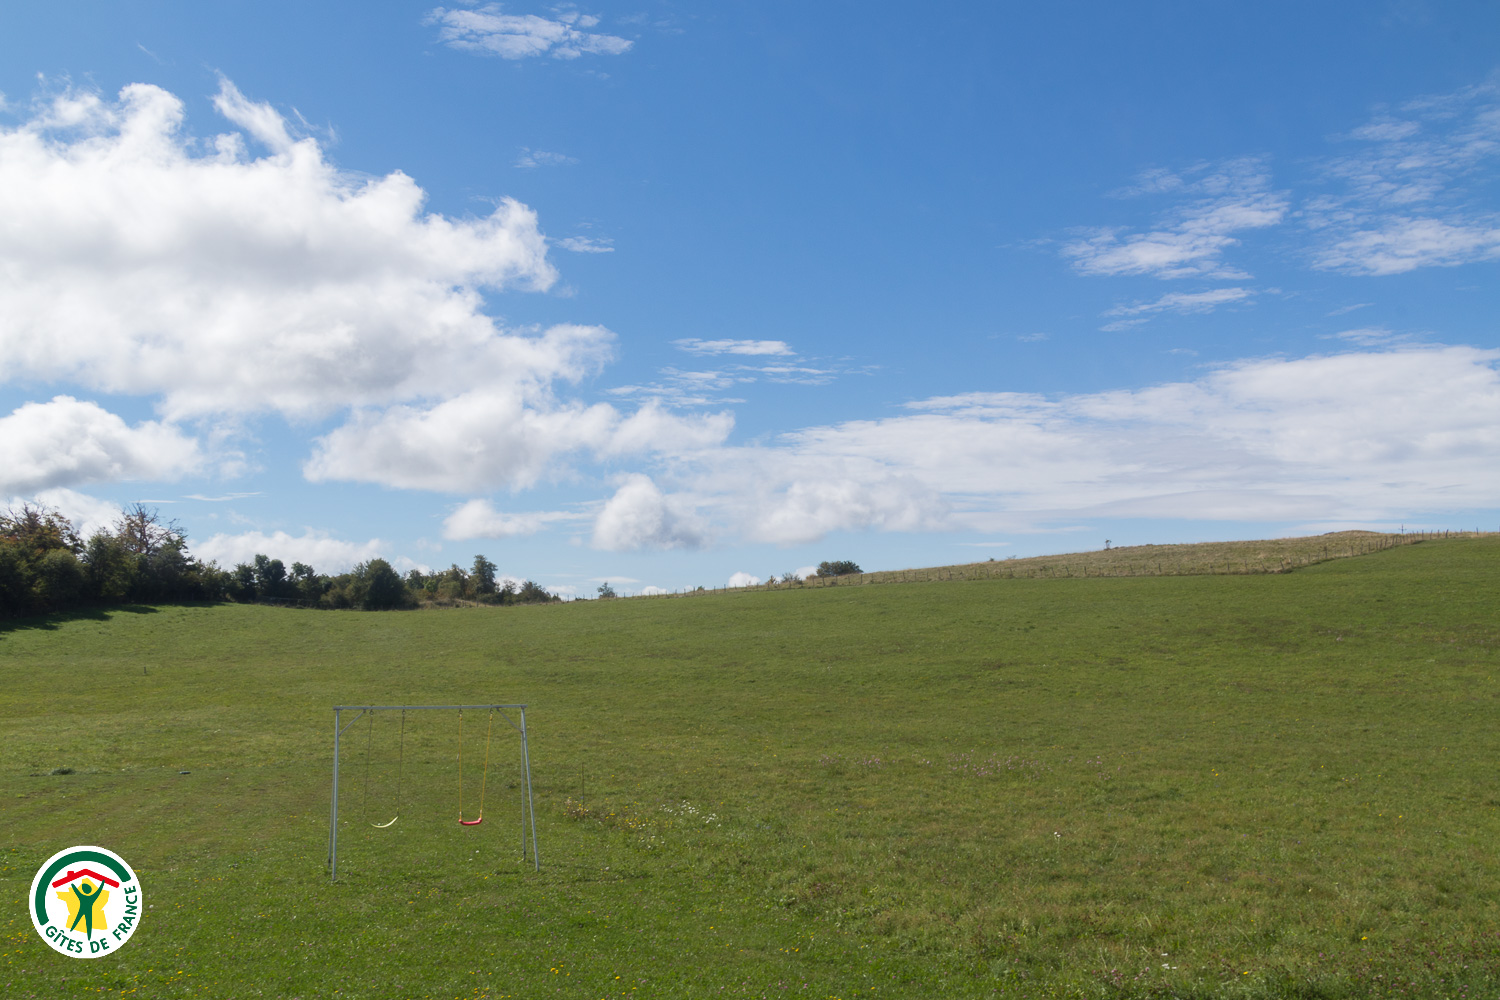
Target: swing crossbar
{"type": "Point", "coordinates": [339, 726]}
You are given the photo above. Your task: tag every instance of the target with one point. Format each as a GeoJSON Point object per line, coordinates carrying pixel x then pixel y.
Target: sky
{"type": "Point", "coordinates": [670, 295]}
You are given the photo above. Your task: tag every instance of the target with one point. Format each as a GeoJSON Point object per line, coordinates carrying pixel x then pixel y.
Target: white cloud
{"type": "Point", "coordinates": [652, 591]}
{"type": "Point", "coordinates": [532, 158]}
{"type": "Point", "coordinates": [315, 548]}
{"type": "Point", "coordinates": [480, 441]}
{"type": "Point", "coordinates": [480, 519]}
{"type": "Point", "coordinates": [744, 580]}
{"type": "Point", "coordinates": [489, 31]}
{"type": "Point", "coordinates": [808, 508]}
{"type": "Point", "coordinates": [132, 261]}
{"type": "Point", "coordinates": [1370, 336]}
{"type": "Point", "coordinates": [1184, 303]}
{"type": "Point", "coordinates": [69, 442]}
{"type": "Point", "coordinates": [754, 347]}
{"type": "Point", "coordinates": [1405, 244]}
{"type": "Point", "coordinates": [1410, 193]}
{"type": "Point", "coordinates": [1360, 435]}
{"type": "Point", "coordinates": [640, 516]}
{"type": "Point", "coordinates": [586, 244]}
{"type": "Point", "coordinates": [223, 498]}
{"type": "Point", "coordinates": [261, 120]}
{"type": "Point", "coordinates": [1191, 240]}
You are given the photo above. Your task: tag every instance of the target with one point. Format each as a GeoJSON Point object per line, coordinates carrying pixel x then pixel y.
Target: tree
{"type": "Point", "coordinates": [309, 584]}
{"type": "Point", "coordinates": [483, 576]}
{"type": "Point", "coordinates": [380, 586]}
{"type": "Point", "coordinates": [38, 530]}
{"type": "Point", "coordinates": [270, 578]}
{"type": "Point", "coordinates": [60, 579]}
{"type": "Point", "coordinates": [15, 579]}
{"type": "Point", "coordinates": [605, 590]}
{"type": "Point", "coordinates": [39, 567]}
{"type": "Point", "coordinates": [839, 567]}
{"type": "Point", "coordinates": [111, 567]}
{"type": "Point", "coordinates": [242, 582]}
{"type": "Point", "coordinates": [141, 530]}
{"type": "Point", "coordinates": [534, 593]}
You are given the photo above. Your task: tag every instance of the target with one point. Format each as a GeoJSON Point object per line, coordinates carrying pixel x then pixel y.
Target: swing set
{"type": "Point", "coordinates": [368, 712]}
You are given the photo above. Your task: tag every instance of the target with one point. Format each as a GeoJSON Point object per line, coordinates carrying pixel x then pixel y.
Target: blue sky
{"type": "Point", "coordinates": [666, 293]}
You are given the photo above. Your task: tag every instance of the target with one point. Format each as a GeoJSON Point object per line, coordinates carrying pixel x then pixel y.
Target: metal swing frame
{"type": "Point", "coordinates": [528, 811]}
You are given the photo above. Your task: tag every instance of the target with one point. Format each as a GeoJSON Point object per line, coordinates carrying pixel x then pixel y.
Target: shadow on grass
{"type": "Point", "coordinates": [54, 621]}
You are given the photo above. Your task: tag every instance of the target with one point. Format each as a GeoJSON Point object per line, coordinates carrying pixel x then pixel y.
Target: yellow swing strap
{"type": "Point", "coordinates": [484, 775]}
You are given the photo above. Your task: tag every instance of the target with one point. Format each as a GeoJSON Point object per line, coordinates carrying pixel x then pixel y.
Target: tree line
{"type": "Point", "coordinates": [45, 566]}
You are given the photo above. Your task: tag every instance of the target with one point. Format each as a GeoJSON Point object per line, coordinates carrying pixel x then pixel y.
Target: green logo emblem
{"type": "Point", "coordinates": [85, 902]}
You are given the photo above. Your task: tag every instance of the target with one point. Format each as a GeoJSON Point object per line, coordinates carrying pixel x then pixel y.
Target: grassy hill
{"type": "Point", "coordinates": [1263, 784]}
{"type": "Point", "coordinates": [1275, 555]}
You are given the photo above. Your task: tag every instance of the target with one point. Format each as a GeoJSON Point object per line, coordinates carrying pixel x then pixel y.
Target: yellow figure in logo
{"type": "Point", "coordinates": [82, 908]}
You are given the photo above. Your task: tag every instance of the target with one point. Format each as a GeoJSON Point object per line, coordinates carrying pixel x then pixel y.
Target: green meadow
{"type": "Point", "coordinates": [1259, 785]}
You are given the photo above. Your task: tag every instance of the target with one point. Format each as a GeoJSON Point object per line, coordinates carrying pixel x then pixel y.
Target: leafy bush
{"type": "Point", "coordinates": [839, 567]}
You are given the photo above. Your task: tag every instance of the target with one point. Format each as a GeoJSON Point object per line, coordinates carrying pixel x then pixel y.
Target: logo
{"type": "Point", "coordinates": [85, 902]}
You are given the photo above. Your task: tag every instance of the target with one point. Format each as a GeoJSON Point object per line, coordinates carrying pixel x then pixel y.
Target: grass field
{"type": "Point", "coordinates": [1262, 785]}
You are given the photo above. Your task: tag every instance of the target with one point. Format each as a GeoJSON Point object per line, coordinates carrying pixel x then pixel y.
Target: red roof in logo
{"type": "Point", "coordinates": [73, 876]}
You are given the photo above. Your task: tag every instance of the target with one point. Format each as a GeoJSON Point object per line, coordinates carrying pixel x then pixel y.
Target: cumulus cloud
{"type": "Point", "coordinates": [479, 441]}
{"type": "Point", "coordinates": [1190, 240]}
{"type": "Point", "coordinates": [487, 30]}
{"type": "Point", "coordinates": [135, 259]}
{"type": "Point", "coordinates": [641, 516]}
{"type": "Point", "coordinates": [68, 442]}
{"type": "Point", "coordinates": [806, 509]}
{"type": "Point", "coordinates": [480, 519]}
{"type": "Point", "coordinates": [315, 548]}
{"type": "Point", "coordinates": [743, 579]}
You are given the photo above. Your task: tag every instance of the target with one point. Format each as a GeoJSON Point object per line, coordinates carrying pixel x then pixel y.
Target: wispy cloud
{"type": "Point", "coordinates": [587, 244]}
{"type": "Point", "coordinates": [532, 158]}
{"type": "Point", "coordinates": [1178, 302]}
{"type": "Point", "coordinates": [224, 498]}
{"type": "Point", "coordinates": [1373, 336]}
{"type": "Point", "coordinates": [754, 347]}
{"type": "Point", "coordinates": [1410, 192]}
{"type": "Point", "coordinates": [489, 31]}
{"type": "Point", "coordinates": [1401, 243]}
{"type": "Point", "coordinates": [1190, 240]}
